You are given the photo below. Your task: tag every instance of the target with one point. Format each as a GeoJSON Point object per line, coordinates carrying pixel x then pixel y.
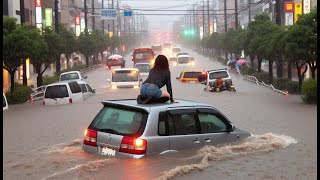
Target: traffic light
{"type": "Point", "coordinates": [189, 32]}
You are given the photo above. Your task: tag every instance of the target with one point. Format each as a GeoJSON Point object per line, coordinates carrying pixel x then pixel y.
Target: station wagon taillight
{"type": "Point", "coordinates": [90, 137]}
{"type": "Point", "coordinates": [43, 103]}
{"type": "Point", "coordinates": [70, 100]}
{"type": "Point", "coordinates": [183, 80]}
{"type": "Point", "coordinates": [133, 145]}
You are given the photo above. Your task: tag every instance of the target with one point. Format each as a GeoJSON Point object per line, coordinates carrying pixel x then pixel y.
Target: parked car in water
{"type": "Point", "coordinates": [64, 92]}
{"type": "Point", "coordinates": [125, 78]}
{"type": "Point", "coordinates": [209, 78]}
{"type": "Point", "coordinates": [86, 89]}
{"type": "Point", "coordinates": [189, 76]}
{"type": "Point", "coordinates": [71, 75]}
{"type": "Point", "coordinates": [144, 68]}
{"type": "Point", "coordinates": [124, 128]}
{"type": "Point", "coordinates": [5, 102]}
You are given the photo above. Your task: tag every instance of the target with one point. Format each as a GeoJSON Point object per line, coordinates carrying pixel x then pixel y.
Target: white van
{"type": "Point", "coordinates": [5, 102]}
{"type": "Point", "coordinates": [86, 89]}
{"type": "Point", "coordinates": [64, 92]}
{"type": "Point", "coordinates": [125, 77]}
{"type": "Point", "coordinates": [71, 75]}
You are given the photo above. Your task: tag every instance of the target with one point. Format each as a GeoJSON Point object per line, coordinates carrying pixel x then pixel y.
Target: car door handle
{"type": "Point", "coordinates": [207, 140]}
{"type": "Point", "coordinates": [196, 140]}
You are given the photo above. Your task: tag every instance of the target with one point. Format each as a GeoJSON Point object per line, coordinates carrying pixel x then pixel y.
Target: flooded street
{"type": "Point", "coordinates": [45, 142]}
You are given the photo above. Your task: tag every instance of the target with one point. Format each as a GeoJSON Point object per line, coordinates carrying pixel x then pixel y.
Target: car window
{"type": "Point", "coordinates": [144, 55]}
{"type": "Point", "coordinates": [69, 76]}
{"type": "Point", "coordinates": [125, 76]}
{"type": "Point", "coordinates": [89, 88]}
{"type": "Point", "coordinates": [183, 59]}
{"type": "Point", "coordinates": [191, 74]}
{"type": "Point", "coordinates": [185, 124]}
{"type": "Point", "coordinates": [210, 123]}
{"type": "Point", "coordinates": [143, 67]}
{"type": "Point", "coordinates": [215, 75]}
{"type": "Point", "coordinates": [75, 87]}
{"type": "Point", "coordinates": [57, 91]}
{"type": "Point", "coordinates": [120, 121]}
{"type": "Point", "coordinates": [83, 88]}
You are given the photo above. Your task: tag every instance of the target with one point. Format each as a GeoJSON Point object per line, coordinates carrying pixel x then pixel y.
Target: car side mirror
{"type": "Point", "coordinates": [132, 59]}
{"type": "Point", "coordinates": [94, 90]}
{"type": "Point", "coordinates": [203, 82]}
{"type": "Point", "coordinates": [231, 128]}
{"type": "Point", "coordinates": [108, 80]}
{"type": "Point", "coordinates": [177, 77]}
{"type": "Point", "coordinates": [141, 79]}
{"type": "Point", "coordinates": [85, 77]}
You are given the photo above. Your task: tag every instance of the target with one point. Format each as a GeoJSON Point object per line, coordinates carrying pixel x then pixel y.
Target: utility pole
{"type": "Point", "coordinates": [249, 13]}
{"type": "Point", "coordinates": [236, 13]}
{"type": "Point", "coordinates": [56, 26]}
{"type": "Point", "coordinates": [194, 21]}
{"type": "Point", "coordinates": [103, 19]}
{"type": "Point", "coordinates": [24, 64]}
{"type": "Point", "coordinates": [278, 12]}
{"type": "Point", "coordinates": [112, 21]}
{"type": "Point", "coordinates": [119, 17]}
{"type": "Point", "coordinates": [208, 18]}
{"type": "Point", "coordinates": [278, 21]}
{"type": "Point", "coordinates": [203, 18]}
{"type": "Point", "coordinates": [93, 18]}
{"type": "Point", "coordinates": [225, 24]}
{"type": "Point", "coordinates": [85, 17]}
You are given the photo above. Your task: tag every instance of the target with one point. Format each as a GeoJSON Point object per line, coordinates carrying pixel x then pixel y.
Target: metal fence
{"type": "Point", "coordinates": [255, 80]}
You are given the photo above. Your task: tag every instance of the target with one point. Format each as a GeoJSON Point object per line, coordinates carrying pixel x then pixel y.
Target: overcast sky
{"type": "Point", "coordinates": [162, 23]}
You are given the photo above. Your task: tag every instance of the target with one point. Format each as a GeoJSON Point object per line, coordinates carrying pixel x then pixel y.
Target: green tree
{"type": "Point", "coordinates": [86, 45]}
{"type": "Point", "coordinates": [298, 40]}
{"type": "Point", "coordinates": [310, 21]}
{"type": "Point", "coordinates": [55, 44]}
{"type": "Point", "coordinates": [16, 46]}
{"type": "Point", "coordinates": [39, 55]}
{"type": "Point", "coordinates": [101, 42]}
{"type": "Point", "coordinates": [68, 41]}
{"type": "Point", "coordinates": [256, 35]}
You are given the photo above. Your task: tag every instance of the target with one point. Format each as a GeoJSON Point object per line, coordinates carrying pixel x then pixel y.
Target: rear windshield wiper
{"type": "Point", "coordinates": [109, 131]}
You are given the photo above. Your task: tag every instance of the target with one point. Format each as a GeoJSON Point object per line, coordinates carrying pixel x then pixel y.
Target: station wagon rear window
{"type": "Point", "coordinates": [69, 76]}
{"type": "Point", "coordinates": [191, 74]}
{"type": "Point", "coordinates": [120, 121]}
{"type": "Point", "coordinates": [125, 76]}
{"type": "Point", "coordinates": [215, 75]}
{"type": "Point", "coordinates": [57, 91]}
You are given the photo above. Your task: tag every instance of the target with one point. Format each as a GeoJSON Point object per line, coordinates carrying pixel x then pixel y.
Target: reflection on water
{"type": "Point", "coordinates": [69, 161]}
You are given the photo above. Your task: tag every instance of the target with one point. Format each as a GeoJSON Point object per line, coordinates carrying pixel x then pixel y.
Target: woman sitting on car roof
{"type": "Point", "coordinates": [159, 76]}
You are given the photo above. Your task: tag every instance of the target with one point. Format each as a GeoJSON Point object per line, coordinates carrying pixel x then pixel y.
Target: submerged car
{"type": "Point", "coordinates": [124, 128]}
{"type": "Point", "coordinates": [144, 68]}
{"type": "Point", "coordinates": [125, 78]}
{"type": "Point", "coordinates": [115, 60]}
{"type": "Point", "coordinates": [189, 76]}
{"type": "Point", "coordinates": [71, 75]}
{"type": "Point", "coordinates": [209, 78]}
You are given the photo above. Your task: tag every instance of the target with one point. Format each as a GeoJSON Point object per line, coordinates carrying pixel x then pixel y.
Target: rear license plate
{"type": "Point", "coordinates": [192, 81]}
{"type": "Point", "coordinates": [108, 152]}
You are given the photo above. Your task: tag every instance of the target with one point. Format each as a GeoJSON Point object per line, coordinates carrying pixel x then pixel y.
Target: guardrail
{"type": "Point", "coordinates": [255, 80]}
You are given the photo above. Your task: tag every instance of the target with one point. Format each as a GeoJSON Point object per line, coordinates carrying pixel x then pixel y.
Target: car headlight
{"type": "Point", "coordinates": [135, 86]}
{"type": "Point", "coordinates": [174, 63]}
{"type": "Point", "coordinates": [113, 87]}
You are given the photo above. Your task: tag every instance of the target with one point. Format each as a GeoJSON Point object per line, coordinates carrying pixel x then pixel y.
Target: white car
{"type": "Point", "coordinates": [86, 89]}
{"type": "Point", "coordinates": [125, 78]}
{"type": "Point", "coordinates": [183, 61]}
{"type": "Point", "coordinates": [144, 68]}
{"type": "Point", "coordinates": [5, 102]}
{"type": "Point", "coordinates": [71, 75]}
{"type": "Point", "coordinates": [64, 92]}
{"type": "Point", "coordinates": [212, 75]}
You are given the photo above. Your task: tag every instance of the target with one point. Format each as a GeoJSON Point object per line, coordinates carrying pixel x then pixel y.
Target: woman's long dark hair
{"type": "Point", "coordinates": [161, 63]}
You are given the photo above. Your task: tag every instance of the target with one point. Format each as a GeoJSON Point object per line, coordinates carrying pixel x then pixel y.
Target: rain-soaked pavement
{"type": "Point", "coordinates": [44, 142]}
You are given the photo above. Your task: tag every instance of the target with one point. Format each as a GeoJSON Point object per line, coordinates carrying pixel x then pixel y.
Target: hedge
{"type": "Point", "coordinates": [292, 87]}
{"type": "Point", "coordinates": [280, 83]}
{"type": "Point", "coordinates": [21, 94]}
{"type": "Point", "coordinates": [309, 91]}
{"type": "Point", "coordinates": [262, 76]}
{"type": "Point", "coordinates": [245, 70]}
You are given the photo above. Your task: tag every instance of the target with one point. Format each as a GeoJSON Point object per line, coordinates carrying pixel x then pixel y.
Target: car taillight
{"type": "Point", "coordinates": [90, 137]}
{"type": "Point", "coordinates": [70, 100]}
{"type": "Point", "coordinates": [43, 103]}
{"type": "Point", "coordinates": [183, 80]}
{"type": "Point", "coordinates": [133, 145]}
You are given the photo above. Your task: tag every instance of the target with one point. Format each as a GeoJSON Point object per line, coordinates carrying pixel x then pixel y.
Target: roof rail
{"type": "Point", "coordinates": [217, 69]}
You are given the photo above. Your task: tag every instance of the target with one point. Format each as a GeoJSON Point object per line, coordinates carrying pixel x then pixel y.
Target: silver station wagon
{"type": "Point", "coordinates": [124, 128]}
